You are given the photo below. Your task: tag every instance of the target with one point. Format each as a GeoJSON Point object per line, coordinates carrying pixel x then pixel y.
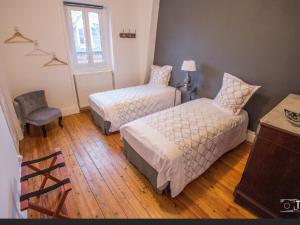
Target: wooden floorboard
{"type": "Point", "coordinates": [106, 185]}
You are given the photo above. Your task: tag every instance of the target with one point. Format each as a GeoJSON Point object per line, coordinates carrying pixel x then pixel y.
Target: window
{"type": "Point", "coordinates": [88, 28]}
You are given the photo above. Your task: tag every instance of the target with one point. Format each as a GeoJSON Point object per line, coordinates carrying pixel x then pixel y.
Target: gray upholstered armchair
{"type": "Point", "coordinates": [33, 110]}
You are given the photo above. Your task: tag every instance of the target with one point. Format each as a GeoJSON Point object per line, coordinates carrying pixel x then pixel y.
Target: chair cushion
{"type": "Point", "coordinates": [31, 102]}
{"type": "Point", "coordinates": [43, 116]}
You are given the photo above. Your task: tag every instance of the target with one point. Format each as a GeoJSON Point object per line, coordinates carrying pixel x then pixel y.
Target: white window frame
{"type": "Point", "coordinates": [104, 29]}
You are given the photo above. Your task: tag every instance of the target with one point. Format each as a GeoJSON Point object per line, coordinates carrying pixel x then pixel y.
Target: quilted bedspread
{"type": "Point", "coordinates": [125, 105]}
{"type": "Point", "coordinates": [181, 143]}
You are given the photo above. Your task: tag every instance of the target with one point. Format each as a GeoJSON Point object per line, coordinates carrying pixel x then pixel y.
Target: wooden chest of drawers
{"type": "Point", "coordinates": [270, 185]}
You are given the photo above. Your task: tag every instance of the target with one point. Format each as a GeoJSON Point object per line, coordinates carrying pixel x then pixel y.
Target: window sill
{"type": "Point", "coordinates": [82, 73]}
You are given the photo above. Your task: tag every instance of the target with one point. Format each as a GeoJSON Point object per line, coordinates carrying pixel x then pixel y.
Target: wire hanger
{"type": "Point", "coordinates": [17, 35]}
{"type": "Point", "coordinates": [55, 61]}
{"type": "Point", "coordinates": [37, 51]}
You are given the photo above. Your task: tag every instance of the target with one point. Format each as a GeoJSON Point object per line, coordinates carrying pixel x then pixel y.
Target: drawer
{"type": "Point", "coordinates": [280, 138]}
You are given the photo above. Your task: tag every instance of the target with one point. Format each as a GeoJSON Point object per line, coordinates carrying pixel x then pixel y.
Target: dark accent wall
{"type": "Point", "coordinates": [256, 40]}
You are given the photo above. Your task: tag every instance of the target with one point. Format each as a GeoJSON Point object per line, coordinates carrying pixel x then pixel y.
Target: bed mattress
{"type": "Point", "coordinates": [182, 142]}
{"type": "Point", "coordinates": [125, 105]}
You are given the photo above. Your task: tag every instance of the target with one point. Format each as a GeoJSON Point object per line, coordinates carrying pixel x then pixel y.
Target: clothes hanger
{"type": "Point", "coordinates": [17, 35]}
{"type": "Point", "coordinates": [55, 61]}
{"type": "Point", "coordinates": [37, 51]}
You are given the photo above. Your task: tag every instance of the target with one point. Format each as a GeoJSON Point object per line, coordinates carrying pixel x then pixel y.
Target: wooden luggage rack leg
{"type": "Point", "coordinates": [63, 183]}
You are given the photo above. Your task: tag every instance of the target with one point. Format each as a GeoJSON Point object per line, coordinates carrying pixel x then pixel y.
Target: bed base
{"type": "Point", "coordinates": [148, 171]}
{"type": "Point", "coordinates": [101, 123]}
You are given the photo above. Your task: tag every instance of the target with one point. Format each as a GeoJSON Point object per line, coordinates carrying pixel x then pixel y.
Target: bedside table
{"type": "Point", "coordinates": [189, 90]}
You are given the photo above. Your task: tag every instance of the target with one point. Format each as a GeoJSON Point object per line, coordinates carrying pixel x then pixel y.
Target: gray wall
{"type": "Point", "coordinates": [256, 40]}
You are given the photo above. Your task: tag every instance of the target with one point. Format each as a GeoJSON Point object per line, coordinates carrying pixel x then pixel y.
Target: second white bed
{"type": "Point", "coordinates": [181, 143]}
{"type": "Point", "coordinates": [125, 105]}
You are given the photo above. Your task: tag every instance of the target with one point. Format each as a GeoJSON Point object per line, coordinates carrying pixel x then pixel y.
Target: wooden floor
{"type": "Point", "coordinates": [105, 185]}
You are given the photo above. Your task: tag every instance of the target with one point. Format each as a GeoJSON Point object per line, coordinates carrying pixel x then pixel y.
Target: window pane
{"type": "Point", "coordinates": [96, 40]}
{"type": "Point", "coordinates": [79, 37]}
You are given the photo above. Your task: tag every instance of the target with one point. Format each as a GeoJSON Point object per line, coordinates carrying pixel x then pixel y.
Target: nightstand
{"type": "Point", "coordinates": [187, 90]}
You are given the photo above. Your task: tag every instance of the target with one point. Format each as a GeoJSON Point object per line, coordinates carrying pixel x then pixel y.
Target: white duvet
{"type": "Point", "coordinates": [125, 105]}
{"type": "Point", "coordinates": [181, 143]}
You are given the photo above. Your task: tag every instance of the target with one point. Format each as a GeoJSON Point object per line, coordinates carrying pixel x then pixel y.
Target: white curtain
{"type": "Point", "coordinates": [8, 108]}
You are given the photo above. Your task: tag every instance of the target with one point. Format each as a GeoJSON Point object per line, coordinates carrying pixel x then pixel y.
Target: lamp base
{"type": "Point", "coordinates": [188, 79]}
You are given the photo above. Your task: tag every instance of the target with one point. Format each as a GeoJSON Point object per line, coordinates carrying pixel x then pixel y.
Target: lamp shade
{"type": "Point", "coordinates": [189, 65]}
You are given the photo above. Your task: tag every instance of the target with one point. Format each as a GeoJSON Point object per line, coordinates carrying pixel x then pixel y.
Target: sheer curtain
{"type": "Point", "coordinates": [8, 108]}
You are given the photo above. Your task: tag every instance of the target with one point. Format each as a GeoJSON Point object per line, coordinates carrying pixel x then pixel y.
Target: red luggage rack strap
{"type": "Point", "coordinates": [57, 163]}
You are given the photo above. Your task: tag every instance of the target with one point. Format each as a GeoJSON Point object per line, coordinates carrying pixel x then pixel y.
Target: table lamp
{"type": "Point", "coordinates": [188, 66]}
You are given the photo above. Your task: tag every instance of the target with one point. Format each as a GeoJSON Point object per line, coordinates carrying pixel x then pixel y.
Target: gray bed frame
{"type": "Point", "coordinates": [148, 171]}
{"type": "Point", "coordinates": [132, 156]}
{"type": "Point", "coordinates": [101, 123]}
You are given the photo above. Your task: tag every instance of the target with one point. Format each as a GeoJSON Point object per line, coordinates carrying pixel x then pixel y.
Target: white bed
{"type": "Point", "coordinates": [181, 143]}
{"type": "Point", "coordinates": [125, 105]}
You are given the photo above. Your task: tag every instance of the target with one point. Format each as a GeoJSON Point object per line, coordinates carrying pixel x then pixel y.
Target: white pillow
{"type": "Point", "coordinates": [160, 75]}
{"type": "Point", "coordinates": [234, 94]}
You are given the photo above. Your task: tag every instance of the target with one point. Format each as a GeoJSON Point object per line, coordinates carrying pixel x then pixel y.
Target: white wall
{"type": "Point", "coordinates": [132, 57]}
{"type": "Point", "coordinates": [10, 134]}
{"type": "Point", "coordinates": [44, 21]}
{"type": "Point", "coordinates": [7, 104]}
{"type": "Point", "coordinates": [9, 173]}
{"type": "Point", "coordinates": [148, 9]}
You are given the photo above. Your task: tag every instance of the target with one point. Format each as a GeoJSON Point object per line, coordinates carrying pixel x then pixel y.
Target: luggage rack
{"type": "Point", "coordinates": [63, 183]}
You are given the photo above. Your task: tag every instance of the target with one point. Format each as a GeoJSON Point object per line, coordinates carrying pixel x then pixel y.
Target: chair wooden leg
{"type": "Point", "coordinates": [27, 128]}
{"type": "Point", "coordinates": [60, 122]}
{"type": "Point", "coordinates": [44, 131]}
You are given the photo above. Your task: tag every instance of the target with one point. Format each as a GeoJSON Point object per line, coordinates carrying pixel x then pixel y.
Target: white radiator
{"type": "Point", "coordinates": [90, 83]}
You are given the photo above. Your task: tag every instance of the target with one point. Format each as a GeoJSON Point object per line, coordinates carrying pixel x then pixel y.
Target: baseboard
{"type": "Point", "coordinates": [70, 110]}
{"type": "Point", "coordinates": [251, 136]}
{"type": "Point", "coordinates": [84, 109]}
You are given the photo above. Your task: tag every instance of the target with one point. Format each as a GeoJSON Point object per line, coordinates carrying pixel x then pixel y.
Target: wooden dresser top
{"type": "Point", "coordinates": [276, 118]}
